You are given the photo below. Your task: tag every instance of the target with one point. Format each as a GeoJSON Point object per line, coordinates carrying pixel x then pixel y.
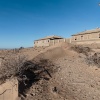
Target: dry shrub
{"type": "Point", "coordinates": [81, 49]}
{"type": "Point", "coordinates": [12, 65]}
{"type": "Point", "coordinates": [18, 65]}
{"type": "Point", "coordinates": [94, 59]}
{"type": "Point", "coordinates": [48, 67]}
{"type": "Point", "coordinates": [27, 72]}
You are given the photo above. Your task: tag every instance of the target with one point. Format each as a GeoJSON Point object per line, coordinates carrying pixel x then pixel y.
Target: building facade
{"type": "Point", "coordinates": [49, 41]}
{"type": "Point", "coordinates": [87, 37]}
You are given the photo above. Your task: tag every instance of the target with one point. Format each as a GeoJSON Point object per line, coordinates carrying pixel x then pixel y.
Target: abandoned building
{"type": "Point", "coordinates": [87, 37]}
{"type": "Point", "coordinates": [49, 40]}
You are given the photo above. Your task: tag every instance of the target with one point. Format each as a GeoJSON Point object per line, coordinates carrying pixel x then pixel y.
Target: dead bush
{"type": "Point", "coordinates": [27, 72]}
{"type": "Point", "coordinates": [48, 67]}
{"type": "Point", "coordinates": [17, 65]}
{"type": "Point", "coordinates": [81, 49]}
{"type": "Point", "coordinates": [94, 59]}
{"type": "Point", "coordinates": [12, 65]}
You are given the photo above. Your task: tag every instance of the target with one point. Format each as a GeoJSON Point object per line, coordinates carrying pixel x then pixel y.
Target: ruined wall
{"type": "Point", "coordinates": [49, 42]}
{"type": "Point", "coordinates": [58, 41]}
{"type": "Point", "coordinates": [42, 43]}
{"type": "Point", "coordinates": [9, 90]}
{"type": "Point", "coordinates": [86, 38]}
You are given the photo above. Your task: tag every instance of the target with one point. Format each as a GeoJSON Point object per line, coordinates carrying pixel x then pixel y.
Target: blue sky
{"type": "Point", "coordinates": [23, 21]}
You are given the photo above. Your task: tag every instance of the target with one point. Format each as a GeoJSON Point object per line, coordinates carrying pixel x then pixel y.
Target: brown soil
{"type": "Point", "coordinates": [73, 80]}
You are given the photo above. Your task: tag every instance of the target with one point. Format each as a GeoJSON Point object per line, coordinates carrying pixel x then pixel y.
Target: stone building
{"type": "Point", "coordinates": [49, 41]}
{"type": "Point", "coordinates": [87, 37]}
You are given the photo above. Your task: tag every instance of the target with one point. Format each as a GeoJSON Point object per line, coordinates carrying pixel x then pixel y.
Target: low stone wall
{"type": "Point", "coordinates": [50, 42]}
{"type": "Point", "coordinates": [54, 42]}
{"type": "Point", "coordinates": [9, 90]}
{"type": "Point", "coordinates": [91, 41]}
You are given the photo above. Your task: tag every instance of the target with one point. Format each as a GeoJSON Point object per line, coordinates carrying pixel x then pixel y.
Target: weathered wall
{"type": "Point", "coordinates": [41, 43]}
{"type": "Point", "coordinates": [88, 41]}
{"type": "Point", "coordinates": [9, 90]}
{"type": "Point", "coordinates": [49, 42]}
{"type": "Point", "coordinates": [86, 38]}
{"type": "Point", "coordinates": [54, 42]}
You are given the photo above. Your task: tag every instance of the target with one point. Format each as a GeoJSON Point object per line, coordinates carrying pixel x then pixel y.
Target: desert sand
{"type": "Point", "coordinates": [74, 78]}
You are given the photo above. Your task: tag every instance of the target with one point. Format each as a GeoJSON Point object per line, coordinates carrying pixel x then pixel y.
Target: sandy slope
{"type": "Point", "coordinates": [74, 79]}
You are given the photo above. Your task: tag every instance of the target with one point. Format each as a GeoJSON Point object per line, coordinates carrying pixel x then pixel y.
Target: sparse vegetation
{"type": "Point", "coordinates": [81, 49]}
{"type": "Point", "coordinates": [38, 78]}
{"type": "Point", "coordinates": [91, 59]}
{"type": "Point", "coordinates": [16, 65]}
{"type": "Point", "coordinates": [94, 59]}
{"type": "Point", "coordinates": [12, 66]}
{"type": "Point", "coordinates": [27, 72]}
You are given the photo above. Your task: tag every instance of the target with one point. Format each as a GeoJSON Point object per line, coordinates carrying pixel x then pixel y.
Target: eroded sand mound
{"type": "Point", "coordinates": [73, 80]}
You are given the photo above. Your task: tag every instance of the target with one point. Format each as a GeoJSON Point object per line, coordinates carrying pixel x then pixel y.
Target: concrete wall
{"type": "Point", "coordinates": [49, 42]}
{"type": "Point", "coordinates": [93, 41]}
{"type": "Point", "coordinates": [9, 90]}
{"type": "Point", "coordinates": [41, 43]}
{"type": "Point", "coordinates": [54, 42]}
{"type": "Point", "coordinates": [86, 38]}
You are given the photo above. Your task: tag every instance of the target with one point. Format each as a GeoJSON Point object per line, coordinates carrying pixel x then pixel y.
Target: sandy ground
{"type": "Point", "coordinates": [74, 79]}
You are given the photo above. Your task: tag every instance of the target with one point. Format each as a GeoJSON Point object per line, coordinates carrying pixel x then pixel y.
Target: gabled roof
{"type": "Point", "coordinates": [88, 32]}
{"type": "Point", "coordinates": [50, 37]}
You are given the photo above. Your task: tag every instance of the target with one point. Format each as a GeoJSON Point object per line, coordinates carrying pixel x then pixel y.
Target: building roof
{"type": "Point", "coordinates": [50, 37]}
{"type": "Point", "coordinates": [88, 32]}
